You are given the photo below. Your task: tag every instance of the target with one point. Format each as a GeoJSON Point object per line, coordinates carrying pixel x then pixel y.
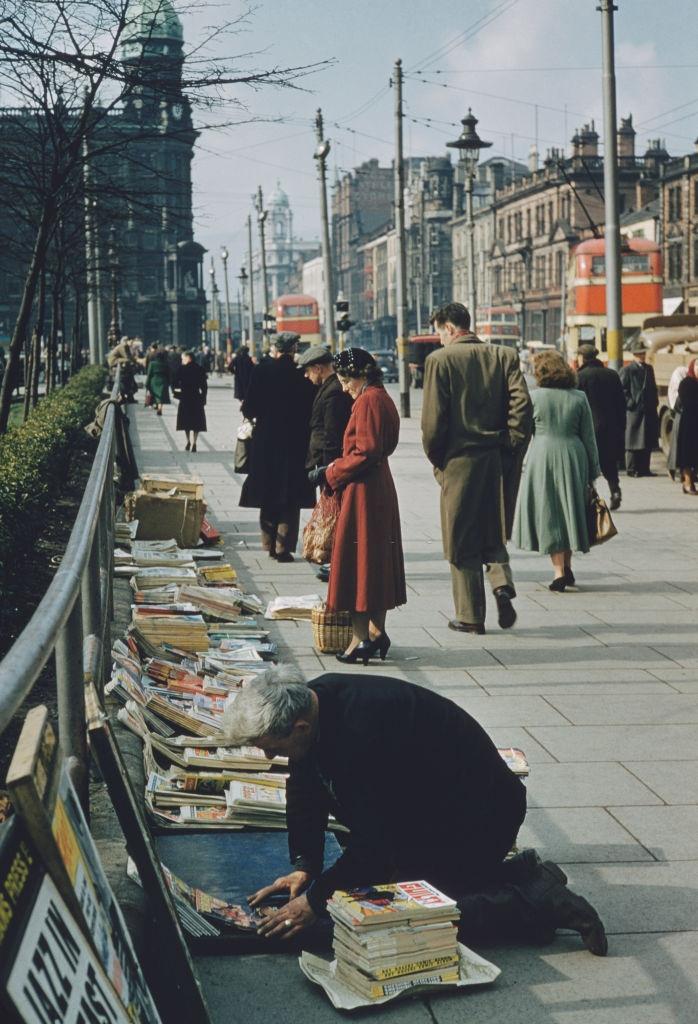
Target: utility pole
{"type": "Point", "coordinates": [250, 271]}
{"type": "Point", "coordinates": [90, 268]}
{"type": "Point", "coordinates": [401, 276]}
{"type": "Point", "coordinates": [261, 218]}
{"type": "Point", "coordinates": [215, 312]}
{"type": "Point", "coordinates": [114, 326]}
{"type": "Point", "coordinates": [228, 323]}
{"type": "Point", "coordinates": [320, 155]}
{"type": "Point", "coordinates": [614, 302]}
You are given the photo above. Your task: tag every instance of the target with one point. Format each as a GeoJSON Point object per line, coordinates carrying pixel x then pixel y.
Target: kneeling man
{"type": "Point", "coordinates": [424, 794]}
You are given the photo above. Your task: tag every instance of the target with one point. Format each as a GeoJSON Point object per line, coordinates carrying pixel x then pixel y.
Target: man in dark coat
{"type": "Point", "coordinates": [606, 397]}
{"type": "Point", "coordinates": [476, 423]}
{"type": "Point", "coordinates": [424, 793]}
{"type": "Point", "coordinates": [331, 407]}
{"type": "Point", "coordinates": [279, 399]}
{"type": "Point", "coordinates": [241, 367]}
{"type": "Point", "coordinates": [642, 424]}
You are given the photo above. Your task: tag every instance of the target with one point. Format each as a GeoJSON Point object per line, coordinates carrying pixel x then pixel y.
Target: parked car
{"type": "Point", "coordinates": [387, 361]}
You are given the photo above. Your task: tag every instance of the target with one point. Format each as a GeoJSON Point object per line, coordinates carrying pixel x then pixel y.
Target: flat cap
{"type": "Point", "coordinates": [587, 351]}
{"type": "Point", "coordinates": [314, 355]}
{"type": "Point", "coordinates": [285, 341]}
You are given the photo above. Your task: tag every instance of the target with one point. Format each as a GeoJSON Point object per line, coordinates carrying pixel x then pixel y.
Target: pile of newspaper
{"type": "Point", "coordinates": [391, 938]}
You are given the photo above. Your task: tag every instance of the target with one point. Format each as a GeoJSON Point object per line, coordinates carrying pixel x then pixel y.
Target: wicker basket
{"type": "Point", "coordinates": [331, 630]}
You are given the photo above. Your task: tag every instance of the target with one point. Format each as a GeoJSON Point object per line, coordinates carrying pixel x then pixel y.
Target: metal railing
{"type": "Point", "coordinates": [73, 615]}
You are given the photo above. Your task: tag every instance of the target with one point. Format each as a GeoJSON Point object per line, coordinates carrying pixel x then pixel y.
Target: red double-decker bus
{"type": "Point", "coordinates": [300, 314]}
{"type": "Point", "coordinates": [641, 290]}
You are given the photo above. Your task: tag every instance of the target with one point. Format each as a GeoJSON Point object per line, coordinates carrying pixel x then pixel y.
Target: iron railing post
{"type": "Point", "coordinates": [70, 691]}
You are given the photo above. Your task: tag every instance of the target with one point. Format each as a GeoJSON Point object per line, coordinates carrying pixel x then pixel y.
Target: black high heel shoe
{"type": "Point", "coordinates": [569, 577]}
{"type": "Point", "coordinates": [351, 657]}
{"type": "Point", "coordinates": [378, 646]}
{"type": "Point", "coordinates": [558, 584]}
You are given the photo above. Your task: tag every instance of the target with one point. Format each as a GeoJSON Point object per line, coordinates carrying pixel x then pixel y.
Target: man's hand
{"type": "Point", "coordinates": [293, 883]}
{"type": "Point", "coordinates": [289, 920]}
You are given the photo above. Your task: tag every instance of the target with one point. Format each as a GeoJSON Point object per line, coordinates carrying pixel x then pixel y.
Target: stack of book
{"type": "Point", "coordinates": [255, 805]}
{"type": "Point", "coordinates": [187, 632]}
{"type": "Point", "coordinates": [217, 575]}
{"type": "Point", "coordinates": [155, 577]}
{"type": "Point", "coordinates": [390, 938]}
{"type": "Point", "coordinates": [293, 607]}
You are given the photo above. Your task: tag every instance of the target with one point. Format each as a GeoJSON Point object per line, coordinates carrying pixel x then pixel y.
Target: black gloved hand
{"type": "Point", "coordinates": [317, 475]}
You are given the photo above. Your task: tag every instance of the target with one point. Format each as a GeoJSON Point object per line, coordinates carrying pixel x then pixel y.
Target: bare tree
{"type": "Point", "coordinates": [60, 61]}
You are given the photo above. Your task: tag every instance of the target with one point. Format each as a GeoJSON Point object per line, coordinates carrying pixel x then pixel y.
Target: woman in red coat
{"type": "Point", "coordinates": [368, 574]}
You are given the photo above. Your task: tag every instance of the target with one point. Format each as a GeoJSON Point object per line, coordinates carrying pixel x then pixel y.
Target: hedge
{"type": "Point", "coordinates": [34, 459]}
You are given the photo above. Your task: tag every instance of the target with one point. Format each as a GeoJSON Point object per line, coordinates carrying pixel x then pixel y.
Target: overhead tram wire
{"type": "Point", "coordinates": [466, 35]}
{"type": "Point", "coordinates": [495, 96]}
{"type": "Point", "coordinates": [568, 67]}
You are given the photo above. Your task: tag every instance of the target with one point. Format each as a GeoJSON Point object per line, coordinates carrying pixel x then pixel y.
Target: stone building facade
{"type": "Point", "coordinates": [679, 218]}
{"type": "Point", "coordinates": [525, 233]}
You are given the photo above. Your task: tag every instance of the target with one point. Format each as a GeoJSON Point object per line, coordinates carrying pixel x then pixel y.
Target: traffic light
{"type": "Point", "coordinates": [342, 322]}
{"type": "Point", "coordinates": [268, 323]}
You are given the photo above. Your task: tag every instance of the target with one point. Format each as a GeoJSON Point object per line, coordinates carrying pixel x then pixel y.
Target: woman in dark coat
{"type": "Point", "coordinates": [279, 400]}
{"type": "Point", "coordinates": [157, 381]}
{"type": "Point", "coordinates": [190, 388]}
{"type": "Point", "coordinates": [368, 573]}
{"type": "Point", "coordinates": [241, 366]}
{"type": "Point", "coordinates": [684, 436]}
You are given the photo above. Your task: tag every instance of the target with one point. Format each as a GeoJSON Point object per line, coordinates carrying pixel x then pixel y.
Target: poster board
{"type": "Point", "coordinates": [50, 973]}
{"type": "Point", "coordinates": [179, 996]}
{"type": "Point", "coordinates": [51, 813]}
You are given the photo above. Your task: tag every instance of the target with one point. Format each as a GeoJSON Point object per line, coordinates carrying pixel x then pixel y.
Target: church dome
{"type": "Point", "coordinates": [152, 20]}
{"type": "Point", "coordinates": [279, 197]}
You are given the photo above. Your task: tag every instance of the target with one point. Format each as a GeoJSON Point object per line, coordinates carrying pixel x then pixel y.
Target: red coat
{"type": "Point", "coordinates": [368, 571]}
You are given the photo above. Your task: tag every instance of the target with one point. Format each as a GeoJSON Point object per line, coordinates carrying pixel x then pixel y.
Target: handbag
{"type": "Point", "coordinates": [599, 521]}
{"type": "Point", "coordinates": [318, 535]}
{"type": "Point", "coordinates": [148, 398]}
{"type": "Point", "coordinates": [243, 444]}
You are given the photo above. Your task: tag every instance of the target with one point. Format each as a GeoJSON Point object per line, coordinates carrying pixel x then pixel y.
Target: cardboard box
{"type": "Point", "coordinates": [180, 486]}
{"type": "Point", "coordinates": [161, 517]}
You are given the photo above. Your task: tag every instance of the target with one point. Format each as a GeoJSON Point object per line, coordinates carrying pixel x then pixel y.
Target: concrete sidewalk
{"type": "Point", "coordinates": [599, 687]}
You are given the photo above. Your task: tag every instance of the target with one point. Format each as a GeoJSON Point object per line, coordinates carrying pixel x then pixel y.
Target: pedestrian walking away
{"type": "Point", "coordinates": [368, 570]}
{"type": "Point", "coordinates": [606, 398]}
{"type": "Point", "coordinates": [329, 416]}
{"type": "Point", "coordinates": [562, 463]}
{"type": "Point", "coordinates": [451, 818]}
{"type": "Point", "coordinates": [476, 423]}
{"type": "Point", "coordinates": [157, 381]}
{"type": "Point", "coordinates": [279, 400]}
{"type": "Point", "coordinates": [683, 454]}
{"type": "Point", "coordinates": [190, 388]}
{"type": "Point", "coordinates": [641, 399]}
{"type": "Point", "coordinates": [241, 367]}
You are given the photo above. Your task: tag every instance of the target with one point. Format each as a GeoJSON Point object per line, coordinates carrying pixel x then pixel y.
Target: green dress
{"type": "Point", "coordinates": [562, 461]}
{"type": "Point", "coordinates": [157, 380]}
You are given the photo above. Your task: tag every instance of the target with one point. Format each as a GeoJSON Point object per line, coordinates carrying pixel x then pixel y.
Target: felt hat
{"type": "Point", "coordinates": [315, 355]}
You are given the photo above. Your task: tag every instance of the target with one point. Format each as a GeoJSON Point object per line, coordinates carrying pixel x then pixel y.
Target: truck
{"type": "Point", "coordinates": [672, 342]}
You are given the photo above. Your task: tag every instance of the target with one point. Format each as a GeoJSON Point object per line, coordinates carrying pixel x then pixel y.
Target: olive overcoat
{"type": "Point", "coordinates": [642, 423]}
{"type": "Point", "coordinates": [476, 423]}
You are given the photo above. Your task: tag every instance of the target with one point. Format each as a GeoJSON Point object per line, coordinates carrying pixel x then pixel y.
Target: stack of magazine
{"type": "Point", "coordinates": [390, 938]}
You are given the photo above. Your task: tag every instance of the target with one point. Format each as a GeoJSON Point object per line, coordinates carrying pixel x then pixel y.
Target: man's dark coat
{"type": "Point", "coordinates": [242, 367]}
{"type": "Point", "coordinates": [328, 421]}
{"type": "Point", "coordinates": [418, 782]}
{"type": "Point", "coordinates": [606, 397]}
{"type": "Point", "coordinates": [279, 400]}
{"type": "Point", "coordinates": [642, 424]}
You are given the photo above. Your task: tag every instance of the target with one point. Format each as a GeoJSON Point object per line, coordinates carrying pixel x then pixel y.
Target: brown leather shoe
{"type": "Point", "coordinates": [467, 627]}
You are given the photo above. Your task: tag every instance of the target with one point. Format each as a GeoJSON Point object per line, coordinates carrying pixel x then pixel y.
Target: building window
{"type": "Point", "coordinates": [675, 262]}
{"type": "Point", "coordinates": [540, 272]}
{"type": "Point", "coordinates": [695, 258]}
{"type": "Point", "coordinates": [695, 196]}
{"type": "Point", "coordinates": [675, 203]}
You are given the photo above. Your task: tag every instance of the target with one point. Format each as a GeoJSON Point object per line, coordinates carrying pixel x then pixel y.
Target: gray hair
{"type": "Point", "coordinates": [268, 706]}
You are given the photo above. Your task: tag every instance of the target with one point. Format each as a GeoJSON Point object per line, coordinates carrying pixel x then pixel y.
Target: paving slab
{"type": "Point", "coordinates": [513, 711]}
{"type": "Point", "coordinates": [675, 782]}
{"type": "Point", "coordinates": [617, 742]}
{"type": "Point", "coordinates": [669, 833]}
{"type": "Point", "coordinates": [642, 710]}
{"type": "Point", "coordinates": [565, 681]}
{"type": "Point", "coordinates": [569, 835]}
{"type": "Point", "coordinates": [599, 784]}
{"type": "Point", "coordinates": [650, 896]}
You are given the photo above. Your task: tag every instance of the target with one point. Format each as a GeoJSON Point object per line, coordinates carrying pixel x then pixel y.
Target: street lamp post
{"type": "Point", "coordinates": [242, 278]}
{"type": "Point", "coordinates": [262, 215]}
{"type": "Point", "coordinates": [228, 324]}
{"type": "Point", "coordinates": [215, 331]}
{"type": "Point", "coordinates": [469, 145]}
{"type": "Point", "coordinates": [321, 153]}
{"type": "Point", "coordinates": [114, 328]}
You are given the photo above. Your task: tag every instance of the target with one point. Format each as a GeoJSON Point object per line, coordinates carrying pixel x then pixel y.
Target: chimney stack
{"type": "Point", "coordinates": [626, 140]}
{"type": "Point", "coordinates": [533, 159]}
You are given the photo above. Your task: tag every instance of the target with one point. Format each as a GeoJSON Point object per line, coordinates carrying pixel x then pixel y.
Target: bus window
{"type": "Point", "coordinates": [290, 311]}
{"type": "Point", "coordinates": [631, 262]}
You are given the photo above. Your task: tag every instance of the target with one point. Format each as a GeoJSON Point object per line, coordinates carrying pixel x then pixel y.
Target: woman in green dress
{"type": "Point", "coordinates": [157, 381]}
{"type": "Point", "coordinates": [563, 461]}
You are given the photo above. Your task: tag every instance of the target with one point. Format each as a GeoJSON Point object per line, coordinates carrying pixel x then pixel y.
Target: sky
{"type": "Point", "coordinates": [530, 69]}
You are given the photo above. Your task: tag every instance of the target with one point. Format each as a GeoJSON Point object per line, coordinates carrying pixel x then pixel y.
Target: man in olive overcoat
{"type": "Point", "coordinates": [605, 394]}
{"type": "Point", "coordinates": [279, 399]}
{"type": "Point", "coordinates": [642, 423]}
{"type": "Point", "coordinates": [331, 407]}
{"type": "Point", "coordinates": [476, 424]}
